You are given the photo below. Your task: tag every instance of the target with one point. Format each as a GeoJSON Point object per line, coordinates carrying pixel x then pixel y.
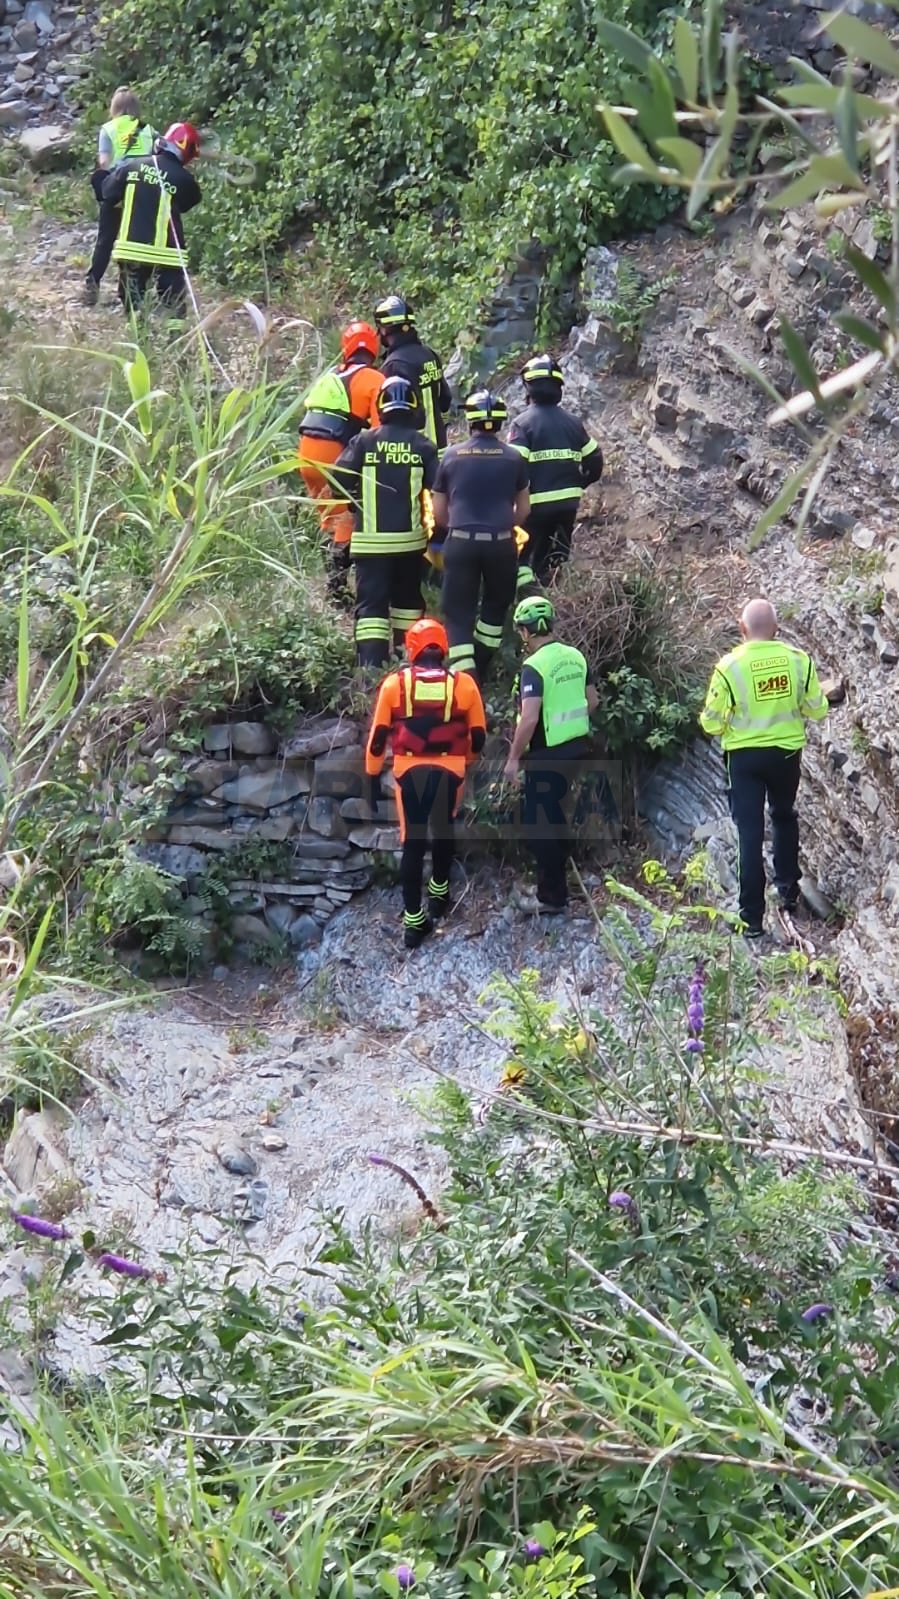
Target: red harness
{"type": "Point", "coordinates": [424, 723]}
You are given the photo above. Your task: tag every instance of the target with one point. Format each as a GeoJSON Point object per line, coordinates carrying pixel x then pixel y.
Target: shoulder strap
{"type": "Point", "coordinates": [406, 686]}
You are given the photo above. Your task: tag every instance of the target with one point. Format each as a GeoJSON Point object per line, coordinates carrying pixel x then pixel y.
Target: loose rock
{"type": "Point", "coordinates": [237, 1160]}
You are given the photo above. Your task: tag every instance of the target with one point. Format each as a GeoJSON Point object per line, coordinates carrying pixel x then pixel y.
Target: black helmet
{"type": "Point", "coordinates": [396, 397]}
{"type": "Point", "coordinates": [486, 413]}
{"type": "Point", "coordinates": [542, 372]}
{"type": "Point", "coordinates": [394, 315]}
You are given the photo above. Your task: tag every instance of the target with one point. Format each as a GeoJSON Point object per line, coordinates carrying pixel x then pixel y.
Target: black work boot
{"type": "Point", "coordinates": [483, 660]}
{"type": "Point", "coordinates": [439, 903]}
{"type": "Point", "coordinates": [90, 294]}
{"type": "Point", "coordinates": [374, 653]}
{"type": "Point", "coordinates": [416, 927]}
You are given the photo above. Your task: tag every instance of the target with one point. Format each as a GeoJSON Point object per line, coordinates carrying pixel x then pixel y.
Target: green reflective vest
{"type": "Point", "coordinates": [563, 673]}
{"type": "Point", "coordinates": [128, 138]}
{"type": "Point", "coordinates": [760, 696]}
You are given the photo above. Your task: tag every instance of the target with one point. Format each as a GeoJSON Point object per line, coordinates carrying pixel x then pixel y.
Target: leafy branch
{"type": "Point", "coordinates": [685, 126]}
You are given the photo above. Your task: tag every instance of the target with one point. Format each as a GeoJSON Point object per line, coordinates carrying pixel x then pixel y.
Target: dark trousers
{"type": "Point", "coordinates": [470, 561]}
{"type": "Point", "coordinates": [548, 798]}
{"type": "Point", "coordinates": [388, 597]}
{"type": "Point", "coordinates": [550, 528]}
{"type": "Point", "coordinates": [107, 228]}
{"type": "Point", "coordinates": [754, 776]}
{"type": "Point", "coordinates": [427, 799]}
{"type": "Point", "coordinates": [134, 281]}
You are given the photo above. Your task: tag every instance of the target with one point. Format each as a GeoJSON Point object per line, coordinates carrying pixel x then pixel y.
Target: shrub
{"type": "Point", "coordinates": [276, 658]}
{"type": "Point", "coordinates": [459, 135]}
{"type": "Point", "coordinates": [649, 659]}
{"type": "Point", "coordinates": [129, 904]}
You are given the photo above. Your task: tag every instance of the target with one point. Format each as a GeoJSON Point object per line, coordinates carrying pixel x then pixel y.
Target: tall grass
{"type": "Point", "coordinates": [589, 1353]}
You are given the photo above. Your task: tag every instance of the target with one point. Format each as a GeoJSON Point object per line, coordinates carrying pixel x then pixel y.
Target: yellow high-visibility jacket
{"type": "Point", "coordinates": [761, 696]}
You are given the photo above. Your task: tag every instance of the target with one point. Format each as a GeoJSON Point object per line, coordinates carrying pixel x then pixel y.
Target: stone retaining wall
{"type": "Point", "coordinates": [307, 792]}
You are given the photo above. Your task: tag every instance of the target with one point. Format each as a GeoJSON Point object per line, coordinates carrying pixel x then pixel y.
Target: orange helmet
{"type": "Point", "coordinates": [426, 634]}
{"type": "Point", "coordinates": [358, 336]}
{"type": "Point", "coordinates": [184, 136]}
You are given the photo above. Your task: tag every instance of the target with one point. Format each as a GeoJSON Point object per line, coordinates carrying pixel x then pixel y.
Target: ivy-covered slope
{"type": "Point", "coordinates": [418, 144]}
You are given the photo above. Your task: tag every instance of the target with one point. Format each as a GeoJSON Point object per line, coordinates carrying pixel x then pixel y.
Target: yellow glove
{"type": "Point", "coordinates": [521, 538]}
{"type": "Point", "coordinates": [434, 552]}
{"type": "Point", "coordinates": [427, 512]}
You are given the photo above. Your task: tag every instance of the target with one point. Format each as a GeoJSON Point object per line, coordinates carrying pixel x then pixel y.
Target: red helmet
{"type": "Point", "coordinates": [358, 336]}
{"type": "Point", "coordinates": [426, 634]}
{"type": "Point", "coordinates": [184, 136]}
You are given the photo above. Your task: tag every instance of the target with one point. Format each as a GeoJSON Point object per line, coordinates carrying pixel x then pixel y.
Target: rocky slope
{"type": "Point", "coordinates": [693, 460]}
{"type": "Point", "coordinates": [43, 51]}
{"type": "Point", "coordinates": [230, 1118]}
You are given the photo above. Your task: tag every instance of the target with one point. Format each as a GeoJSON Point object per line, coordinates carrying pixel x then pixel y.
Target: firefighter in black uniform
{"type": "Point", "coordinates": [406, 357]}
{"type": "Point", "coordinates": [563, 460]}
{"type": "Point", "coordinates": [154, 192]}
{"type": "Point", "coordinates": [480, 494]}
{"type": "Point", "coordinates": [388, 470]}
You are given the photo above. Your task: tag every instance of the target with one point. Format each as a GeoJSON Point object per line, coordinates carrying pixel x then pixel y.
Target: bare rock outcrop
{"type": "Point", "coordinates": [693, 460]}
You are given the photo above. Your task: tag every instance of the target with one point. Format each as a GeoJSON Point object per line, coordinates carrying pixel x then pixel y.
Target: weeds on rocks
{"type": "Point", "coordinates": [646, 1350]}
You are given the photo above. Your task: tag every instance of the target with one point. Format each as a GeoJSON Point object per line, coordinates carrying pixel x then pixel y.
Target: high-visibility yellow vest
{"type": "Point", "coordinates": [128, 138]}
{"type": "Point", "coordinates": [760, 696]}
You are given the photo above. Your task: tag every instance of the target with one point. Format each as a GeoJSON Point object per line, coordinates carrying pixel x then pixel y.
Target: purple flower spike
{"type": "Point", "coordinates": [43, 1229]}
{"type": "Point", "coordinates": [405, 1576]}
{"type": "Point", "coordinates": [694, 1046]}
{"type": "Point", "coordinates": [620, 1200]}
{"type": "Point", "coordinates": [817, 1312]}
{"type": "Point", "coordinates": [278, 1516]}
{"type": "Point", "coordinates": [377, 1160]}
{"type": "Point", "coordinates": [696, 1018]}
{"type": "Point", "coordinates": [533, 1549]}
{"type": "Point", "coordinates": [125, 1268]}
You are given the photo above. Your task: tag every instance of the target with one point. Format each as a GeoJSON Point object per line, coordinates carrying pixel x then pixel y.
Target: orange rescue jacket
{"type": "Point", "coordinates": [431, 716]}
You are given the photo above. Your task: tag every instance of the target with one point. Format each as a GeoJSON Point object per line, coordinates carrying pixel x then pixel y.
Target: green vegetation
{"type": "Point", "coordinates": [402, 144]}
{"type": "Point", "coordinates": [840, 149]}
{"type": "Point", "coordinates": [635, 300]}
{"type": "Point", "coordinates": [601, 1351]}
{"type": "Point", "coordinates": [150, 537]}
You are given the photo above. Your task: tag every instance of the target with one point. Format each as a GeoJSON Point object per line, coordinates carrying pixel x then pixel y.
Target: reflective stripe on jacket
{"type": "Point", "coordinates": [761, 695]}
{"type": "Point", "coordinates": [562, 458]}
{"type": "Point", "coordinates": [153, 192]}
{"type": "Point", "coordinates": [564, 711]}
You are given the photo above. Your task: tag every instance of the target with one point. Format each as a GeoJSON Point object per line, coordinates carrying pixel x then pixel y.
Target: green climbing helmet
{"type": "Point", "coordinates": [535, 614]}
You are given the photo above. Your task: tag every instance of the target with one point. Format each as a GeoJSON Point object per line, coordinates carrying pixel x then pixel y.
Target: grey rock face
{"type": "Point", "coordinates": [261, 791]}
{"type": "Point", "coordinates": [319, 737]}
{"type": "Point", "coordinates": [253, 738]}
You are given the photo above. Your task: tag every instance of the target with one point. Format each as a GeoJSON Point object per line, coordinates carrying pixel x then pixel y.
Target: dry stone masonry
{"type": "Point", "coordinates": [306, 792]}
